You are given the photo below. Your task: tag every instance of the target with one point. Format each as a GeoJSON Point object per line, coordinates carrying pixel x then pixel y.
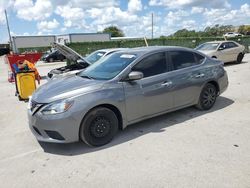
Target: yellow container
{"type": "Point", "coordinates": [26, 85]}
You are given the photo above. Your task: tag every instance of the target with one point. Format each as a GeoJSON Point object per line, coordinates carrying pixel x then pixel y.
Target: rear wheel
{"type": "Point", "coordinates": [207, 97]}
{"type": "Point", "coordinates": [99, 127]}
{"type": "Point", "coordinates": [239, 58]}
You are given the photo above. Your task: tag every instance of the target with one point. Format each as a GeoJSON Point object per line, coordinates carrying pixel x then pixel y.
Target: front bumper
{"type": "Point", "coordinates": [59, 128]}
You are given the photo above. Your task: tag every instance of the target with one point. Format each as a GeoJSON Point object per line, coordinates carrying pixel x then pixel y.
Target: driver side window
{"type": "Point", "coordinates": [224, 45]}
{"type": "Point", "coordinates": [152, 65]}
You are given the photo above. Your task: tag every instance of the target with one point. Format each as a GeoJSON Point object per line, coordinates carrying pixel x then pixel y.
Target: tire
{"type": "Point", "coordinates": [99, 127]}
{"type": "Point", "coordinates": [207, 97]}
{"type": "Point", "coordinates": [214, 57]}
{"type": "Point", "coordinates": [51, 60]}
{"type": "Point", "coordinates": [239, 58]}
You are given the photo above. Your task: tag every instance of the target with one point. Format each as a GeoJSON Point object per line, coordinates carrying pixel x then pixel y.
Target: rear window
{"type": "Point", "coordinates": [232, 45]}
{"type": "Point", "coordinates": [199, 58]}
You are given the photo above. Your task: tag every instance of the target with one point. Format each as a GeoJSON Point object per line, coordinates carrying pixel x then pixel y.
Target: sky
{"type": "Point", "coordinates": [42, 17]}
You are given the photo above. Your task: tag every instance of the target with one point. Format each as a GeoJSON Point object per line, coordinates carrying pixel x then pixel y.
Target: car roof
{"type": "Point", "coordinates": [220, 41]}
{"type": "Point", "coordinates": [148, 49]}
{"type": "Point", "coordinates": [107, 50]}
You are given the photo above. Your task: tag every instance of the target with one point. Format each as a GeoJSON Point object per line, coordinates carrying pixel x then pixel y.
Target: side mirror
{"type": "Point", "coordinates": [135, 75]}
{"type": "Point", "coordinates": [80, 61]}
{"type": "Point", "coordinates": [221, 48]}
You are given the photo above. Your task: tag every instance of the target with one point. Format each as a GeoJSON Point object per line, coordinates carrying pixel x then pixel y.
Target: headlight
{"type": "Point", "coordinates": [57, 107]}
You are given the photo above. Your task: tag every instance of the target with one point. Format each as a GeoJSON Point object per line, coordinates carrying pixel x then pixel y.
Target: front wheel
{"type": "Point", "coordinates": [207, 97]}
{"type": "Point", "coordinates": [99, 127]}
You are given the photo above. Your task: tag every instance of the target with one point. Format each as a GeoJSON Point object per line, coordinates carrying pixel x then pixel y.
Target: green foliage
{"type": "Point", "coordinates": [34, 49]}
{"type": "Point", "coordinates": [217, 30]}
{"type": "Point", "coordinates": [85, 48]}
{"type": "Point", "coordinates": [244, 29]}
{"type": "Point", "coordinates": [114, 31]}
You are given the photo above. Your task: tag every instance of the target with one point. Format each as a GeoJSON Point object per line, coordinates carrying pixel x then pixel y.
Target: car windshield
{"type": "Point", "coordinates": [208, 46]}
{"type": "Point", "coordinates": [95, 56]}
{"type": "Point", "coordinates": [108, 67]}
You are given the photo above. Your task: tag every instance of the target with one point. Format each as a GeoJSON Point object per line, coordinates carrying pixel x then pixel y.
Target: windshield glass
{"type": "Point", "coordinates": [208, 46]}
{"type": "Point", "coordinates": [95, 56]}
{"type": "Point", "coordinates": [108, 67]}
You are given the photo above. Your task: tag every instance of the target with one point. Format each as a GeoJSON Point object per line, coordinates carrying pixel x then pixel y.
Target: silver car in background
{"type": "Point", "coordinates": [226, 51]}
{"type": "Point", "coordinates": [124, 88]}
{"type": "Point", "coordinates": [78, 63]}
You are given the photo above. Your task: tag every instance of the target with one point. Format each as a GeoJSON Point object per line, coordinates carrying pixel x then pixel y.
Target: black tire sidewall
{"type": "Point", "coordinates": [239, 58]}
{"type": "Point", "coordinates": [201, 105]}
{"type": "Point", "coordinates": [85, 134]}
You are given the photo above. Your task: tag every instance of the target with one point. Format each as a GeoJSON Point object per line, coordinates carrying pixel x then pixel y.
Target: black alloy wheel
{"type": "Point", "coordinates": [207, 97]}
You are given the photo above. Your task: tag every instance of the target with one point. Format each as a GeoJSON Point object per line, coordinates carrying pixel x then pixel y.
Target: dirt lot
{"type": "Point", "coordinates": [187, 148]}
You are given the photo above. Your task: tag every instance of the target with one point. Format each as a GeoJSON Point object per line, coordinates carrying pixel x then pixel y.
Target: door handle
{"type": "Point", "coordinates": [199, 75]}
{"type": "Point", "coordinates": [167, 84]}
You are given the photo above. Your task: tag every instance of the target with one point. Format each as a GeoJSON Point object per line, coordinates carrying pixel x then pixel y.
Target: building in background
{"type": "Point", "coordinates": [46, 40]}
{"type": "Point", "coordinates": [32, 41]}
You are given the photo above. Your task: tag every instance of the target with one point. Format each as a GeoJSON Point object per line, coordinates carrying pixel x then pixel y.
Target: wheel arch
{"type": "Point", "coordinates": [110, 107]}
{"type": "Point", "coordinates": [215, 84]}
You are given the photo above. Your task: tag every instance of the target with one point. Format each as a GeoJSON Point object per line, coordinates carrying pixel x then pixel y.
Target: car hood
{"type": "Point", "coordinates": [64, 88]}
{"type": "Point", "coordinates": [207, 52]}
{"type": "Point", "coordinates": [69, 53]}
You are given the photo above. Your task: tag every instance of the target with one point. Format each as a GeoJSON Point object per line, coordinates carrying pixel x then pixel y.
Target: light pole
{"type": "Point", "coordinates": [7, 22]}
{"type": "Point", "coordinates": [152, 17]}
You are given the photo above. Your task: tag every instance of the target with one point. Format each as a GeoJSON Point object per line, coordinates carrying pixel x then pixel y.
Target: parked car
{"type": "Point", "coordinates": [232, 34]}
{"type": "Point", "coordinates": [79, 62]}
{"type": "Point", "coordinates": [126, 87]}
{"type": "Point", "coordinates": [55, 55]}
{"type": "Point", "coordinates": [226, 51]}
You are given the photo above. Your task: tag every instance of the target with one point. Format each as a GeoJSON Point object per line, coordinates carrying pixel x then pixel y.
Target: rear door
{"type": "Point", "coordinates": [235, 50]}
{"type": "Point", "coordinates": [187, 76]}
{"type": "Point", "coordinates": [152, 94]}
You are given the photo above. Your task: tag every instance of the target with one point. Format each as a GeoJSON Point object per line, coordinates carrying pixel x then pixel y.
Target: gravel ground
{"type": "Point", "coordinates": [187, 148]}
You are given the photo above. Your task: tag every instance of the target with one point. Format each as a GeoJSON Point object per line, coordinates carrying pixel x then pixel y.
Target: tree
{"type": "Point", "coordinates": [244, 29]}
{"type": "Point", "coordinates": [114, 31]}
{"type": "Point", "coordinates": [185, 33]}
{"type": "Point", "coordinates": [217, 30]}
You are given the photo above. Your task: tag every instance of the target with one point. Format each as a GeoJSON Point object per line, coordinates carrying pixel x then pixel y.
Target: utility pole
{"type": "Point", "coordinates": [152, 25]}
{"type": "Point", "coordinates": [7, 22]}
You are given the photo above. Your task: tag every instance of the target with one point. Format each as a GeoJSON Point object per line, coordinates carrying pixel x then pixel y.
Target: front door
{"type": "Point", "coordinates": [152, 94]}
{"type": "Point", "coordinates": [226, 54]}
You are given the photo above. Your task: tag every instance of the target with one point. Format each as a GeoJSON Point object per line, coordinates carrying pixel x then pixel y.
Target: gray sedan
{"type": "Point", "coordinates": [126, 87]}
